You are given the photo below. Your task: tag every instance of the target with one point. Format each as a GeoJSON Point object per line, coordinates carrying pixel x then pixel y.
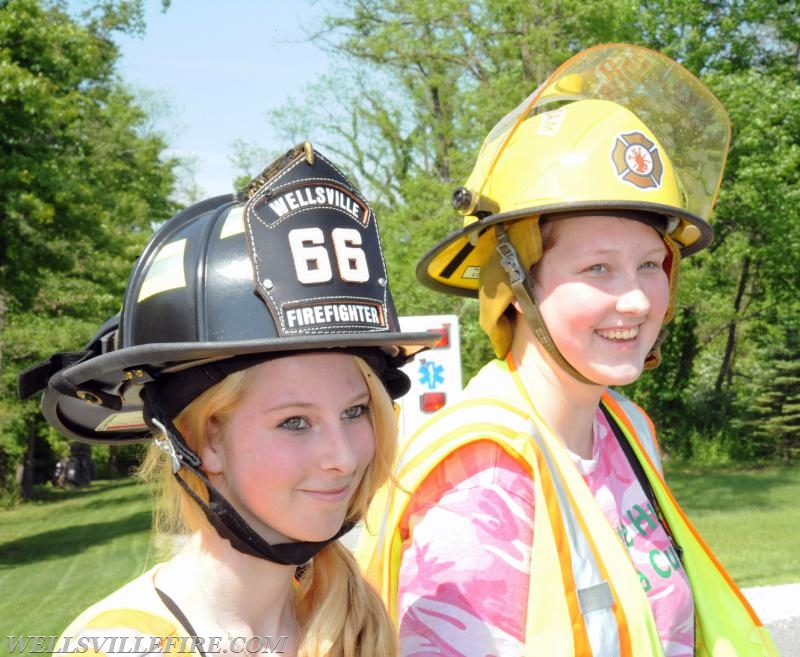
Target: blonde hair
{"type": "Point", "coordinates": [339, 613]}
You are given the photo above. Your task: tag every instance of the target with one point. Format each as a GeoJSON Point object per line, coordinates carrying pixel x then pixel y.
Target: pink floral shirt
{"type": "Point", "coordinates": [464, 575]}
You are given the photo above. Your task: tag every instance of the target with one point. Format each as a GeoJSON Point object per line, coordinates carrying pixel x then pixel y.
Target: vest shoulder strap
{"type": "Point", "coordinates": [637, 421]}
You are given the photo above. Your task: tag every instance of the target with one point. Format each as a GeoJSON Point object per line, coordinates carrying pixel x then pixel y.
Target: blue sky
{"type": "Point", "coordinates": [222, 64]}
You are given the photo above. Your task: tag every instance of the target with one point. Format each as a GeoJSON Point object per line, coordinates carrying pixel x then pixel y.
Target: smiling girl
{"type": "Point", "coordinates": [530, 517]}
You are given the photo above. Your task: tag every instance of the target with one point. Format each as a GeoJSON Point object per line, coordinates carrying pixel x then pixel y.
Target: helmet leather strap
{"type": "Point", "coordinates": [518, 280]}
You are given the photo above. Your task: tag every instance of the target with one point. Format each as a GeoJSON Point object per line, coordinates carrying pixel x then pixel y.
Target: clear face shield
{"type": "Point", "coordinates": [688, 120]}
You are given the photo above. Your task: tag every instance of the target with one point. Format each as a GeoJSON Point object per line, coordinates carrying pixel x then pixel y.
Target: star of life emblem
{"type": "Point", "coordinates": [637, 160]}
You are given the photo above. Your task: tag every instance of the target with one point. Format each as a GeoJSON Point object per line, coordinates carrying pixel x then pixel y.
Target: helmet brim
{"type": "Point", "coordinates": [453, 265]}
{"type": "Point", "coordinates": [99, 400]}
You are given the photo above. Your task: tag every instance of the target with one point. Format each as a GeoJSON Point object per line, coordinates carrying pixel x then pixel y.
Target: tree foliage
{"type": "Point", "coordinates": [417, 85]}
{"type": "Point", "coordinates": [773, 420]}
{"type": "Point", "coordinates": [82, 181]}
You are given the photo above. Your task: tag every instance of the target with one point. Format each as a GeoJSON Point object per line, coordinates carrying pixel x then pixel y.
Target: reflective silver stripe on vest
{"type": "Point", "coordinates": [595, 597]}
{"type": "Point", "coordinates": [594, 593]}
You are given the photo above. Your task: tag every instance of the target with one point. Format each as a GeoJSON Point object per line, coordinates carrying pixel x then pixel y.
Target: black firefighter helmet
{"type": "Point", "coordinates": [292, 263]}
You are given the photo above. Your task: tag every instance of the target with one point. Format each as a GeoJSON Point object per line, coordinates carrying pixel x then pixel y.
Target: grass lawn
{"type": "Point", "coordinates": [72, 547]}
{"type": "Point", "coordinates": [69, 549]}
{"type": "Point", "coordinates": [749, 518]}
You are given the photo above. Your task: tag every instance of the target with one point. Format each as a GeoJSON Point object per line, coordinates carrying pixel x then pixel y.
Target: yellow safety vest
{"type": "Point", "coordinates": [595, 573]}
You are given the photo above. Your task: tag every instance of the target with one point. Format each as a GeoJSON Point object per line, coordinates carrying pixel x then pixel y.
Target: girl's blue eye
{"type": "Point", "coordinates": [355, 411]}
{"type": "Point", "coordinates": [294, 424]}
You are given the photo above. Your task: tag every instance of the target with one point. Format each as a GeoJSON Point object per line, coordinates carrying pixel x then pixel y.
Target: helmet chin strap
{"type": "Point", "coordinates": [228, 523]}
{"type": "Point", "coordinates": [520, 285]}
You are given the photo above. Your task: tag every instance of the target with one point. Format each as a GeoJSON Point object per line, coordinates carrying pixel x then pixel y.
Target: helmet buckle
{"type": "Point", "coordinates": [165, 445]}
{"type": "Point", "coordinates": [508, 257]}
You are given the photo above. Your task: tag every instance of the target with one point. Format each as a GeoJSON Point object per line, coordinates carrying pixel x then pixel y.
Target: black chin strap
{"type": "Point", "coordinates": [220, 513]}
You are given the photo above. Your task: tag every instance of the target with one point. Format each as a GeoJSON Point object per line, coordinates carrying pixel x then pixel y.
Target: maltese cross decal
{"type": "Point", "coordinates": [637, 160]}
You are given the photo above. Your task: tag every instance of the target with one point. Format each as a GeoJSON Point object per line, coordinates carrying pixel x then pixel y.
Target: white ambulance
{"type": "Point", "coordinates": [435, 374]}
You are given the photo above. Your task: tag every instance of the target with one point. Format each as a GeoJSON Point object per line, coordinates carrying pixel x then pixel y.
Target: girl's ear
{"type": "Point", "coordinates": [213, 452]}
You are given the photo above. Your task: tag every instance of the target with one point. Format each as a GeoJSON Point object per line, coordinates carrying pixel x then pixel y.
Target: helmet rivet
{"type": "Point", "coordinates": [268, 284]}
{"type": "Point", "coordinates": [382, 282]}
{"type": "Point", "coordinates": [462, 200]}
{"type": "Point", "coordinates": [133, 374]}
{"type": "Point", "coordinates": [89, 397]}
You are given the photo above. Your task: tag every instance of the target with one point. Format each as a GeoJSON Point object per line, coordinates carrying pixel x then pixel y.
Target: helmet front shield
{"type": "Point", "coordinates": [689, 121]}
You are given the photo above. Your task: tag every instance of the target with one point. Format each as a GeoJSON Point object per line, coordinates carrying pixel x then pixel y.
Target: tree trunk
{"type": "Point", "coordinates": [442, 163]}
{"type": "Point", "coordinates": [2, 323]}
{"type": "Point", "coordinates": [685, 328]}
{"type": "Point", "coordinates": [726, 368]}
{"type": "Point", "coordinates": [113, 462]}
{"type": "Point", "coordinates": [25, 471]}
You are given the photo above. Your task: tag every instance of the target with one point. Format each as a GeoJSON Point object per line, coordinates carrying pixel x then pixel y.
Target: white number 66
{"type": "Point", "coordinates": [312, 262]}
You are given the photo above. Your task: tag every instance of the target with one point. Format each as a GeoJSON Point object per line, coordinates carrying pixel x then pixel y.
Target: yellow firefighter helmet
{"type": "Point", "coordinates": [617, 129]}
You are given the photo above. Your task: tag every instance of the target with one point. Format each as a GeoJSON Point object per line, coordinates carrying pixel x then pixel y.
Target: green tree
{"type": "Point", "coordinates": [748, 283]}
{"type": "Point", "coordinates": [781, 428]}
{"type": "Point", "coordinates": [771, 422]}
{"type": "Point", "coordinates": [82, 181]}
{"type": "Point", "coordinates": [418, 84]}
